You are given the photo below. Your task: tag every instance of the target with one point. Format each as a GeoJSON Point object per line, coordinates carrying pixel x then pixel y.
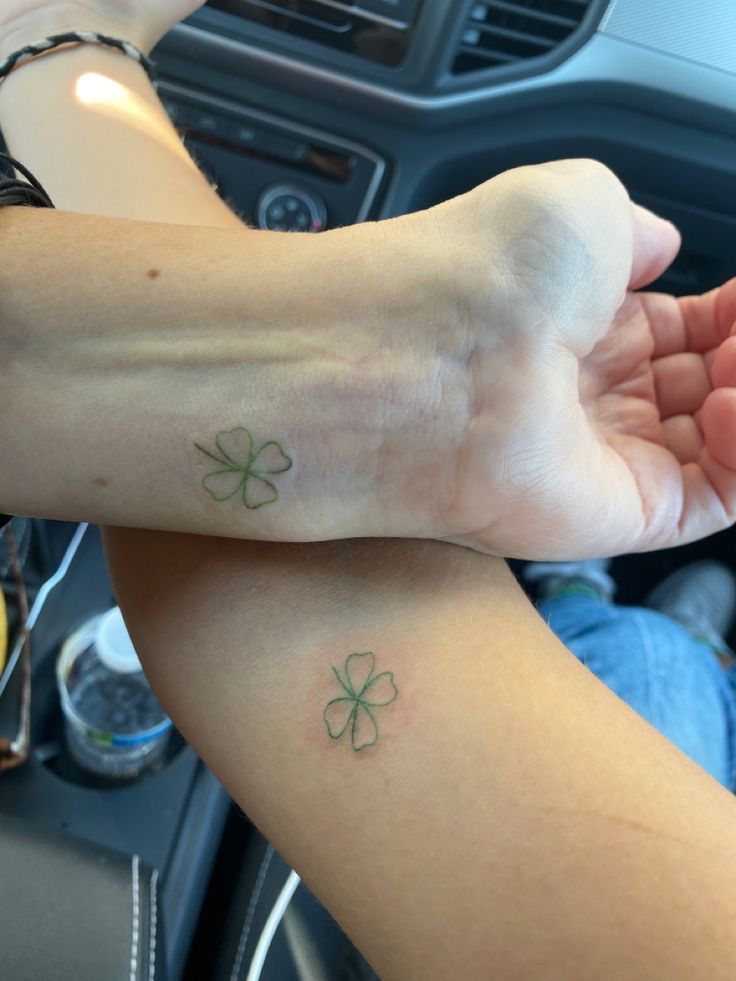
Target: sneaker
{"type": "Point", "coordinates": [702, 598]}
{"type": "Point", "coordinates": [589, 578]}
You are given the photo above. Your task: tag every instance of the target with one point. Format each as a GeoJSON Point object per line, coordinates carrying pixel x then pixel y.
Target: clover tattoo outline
{"type": "Point", "coordinates": [243, 468]}
{"type": "Point", "coordinates": [364, 691]}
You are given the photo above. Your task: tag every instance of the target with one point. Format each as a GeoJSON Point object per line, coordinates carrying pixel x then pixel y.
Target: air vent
{"type": "Point", "coordinates": [500, 33]}
{"type": "Point", "coordinates": [376, 30]}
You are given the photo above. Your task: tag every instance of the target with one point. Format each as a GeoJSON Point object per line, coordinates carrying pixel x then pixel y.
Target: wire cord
{"type": "Point", "coordinates": [25, 193]}
{"type": "Point", "coordinates": [271, 926]}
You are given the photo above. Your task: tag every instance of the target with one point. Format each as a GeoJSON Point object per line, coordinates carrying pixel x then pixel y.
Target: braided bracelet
{"type": "Point", "coordinates": [26, 193]}
{"type": "Point", "coordinates": [47, 44]}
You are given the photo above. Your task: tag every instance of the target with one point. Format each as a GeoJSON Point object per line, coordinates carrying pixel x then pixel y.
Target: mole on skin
{"type": "Point", "coordinates": [153, 273]}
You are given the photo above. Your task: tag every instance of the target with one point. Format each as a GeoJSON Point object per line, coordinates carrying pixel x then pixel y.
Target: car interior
{"type": "Point", "coordinates": [308, 115]}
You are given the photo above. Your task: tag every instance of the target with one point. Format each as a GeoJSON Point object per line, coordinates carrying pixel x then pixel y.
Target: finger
{"type": "Point", "coordinates": [719, 426]}
{"type": "Point", "coordinates": [683, 438]}
{"type": "Point", "coordinates": [687, 501]}
{"type": "Point", "coordinates": [708, 319]}
{"type": "Point", "coordinates": [709, 502]}
{"type": "Point", "coordinates": [681, 384]}
{"type": "Point", "coordinates": [723, 364]}
{"type": "Point", "coordinates": [656, 243]}
{"type": "Point", "coordinates": [709, 498]}
{"type": "Point", "coordinates": [666, 322]}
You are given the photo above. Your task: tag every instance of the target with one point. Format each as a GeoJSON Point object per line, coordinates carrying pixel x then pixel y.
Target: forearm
{"type": "Point", "coordinates": [513, 817]}
{"type": "Point", "coordinates": [203, 313]}
{"type": "Point", "coordinates": [89, 124]}
{"type": "Point", "coordinates": [162, 341]}
{"type": "Point", "coordinates": [280, 334]}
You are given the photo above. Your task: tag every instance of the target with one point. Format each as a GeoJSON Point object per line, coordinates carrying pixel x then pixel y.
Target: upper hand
{"type": "Point", "coordinates": [600, 420]}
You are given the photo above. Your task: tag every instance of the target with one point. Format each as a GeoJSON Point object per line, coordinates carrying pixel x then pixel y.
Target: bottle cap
{"type": "Point", "coordinates": [113, 644]}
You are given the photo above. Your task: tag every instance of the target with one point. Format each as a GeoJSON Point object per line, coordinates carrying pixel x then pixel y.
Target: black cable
{"type": "Point", "coordinates": [25, 193]}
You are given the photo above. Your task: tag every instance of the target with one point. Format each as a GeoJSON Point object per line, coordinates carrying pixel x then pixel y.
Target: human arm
{"type": "Point", "coordinates": [464, 389]}
{"type": "Point", "coordinates": [514, 818]}
{"type": "Point", "coordinates": [156, 363]}
{"type": "Point", "coordinates": [148, 174]}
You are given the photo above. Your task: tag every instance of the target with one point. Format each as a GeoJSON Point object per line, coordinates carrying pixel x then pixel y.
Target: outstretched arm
{"type": "Point", "coordinates": [468, 373]}
{"type": "Point", "coordinates": [463, 795]}
{"type": "Point", "coordinates": [140, 343]}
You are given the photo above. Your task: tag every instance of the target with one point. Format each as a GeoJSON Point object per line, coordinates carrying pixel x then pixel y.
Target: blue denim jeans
{"type": "Point", "coordinates": [674, 681]}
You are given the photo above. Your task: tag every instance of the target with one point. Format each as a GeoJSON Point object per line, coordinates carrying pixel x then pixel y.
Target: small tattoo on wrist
{"type": "Point", "coordinates": [364, 691]}
{"type": "Point", "coordinates": [243, 468]}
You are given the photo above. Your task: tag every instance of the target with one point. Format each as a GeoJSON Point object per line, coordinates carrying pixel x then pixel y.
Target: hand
{"type": "Point", "coordinates": [480, 372]}
{"type": "Point", "coordinates": [599, 420]}
{"type": "Point", "coordinates": [144, 22]}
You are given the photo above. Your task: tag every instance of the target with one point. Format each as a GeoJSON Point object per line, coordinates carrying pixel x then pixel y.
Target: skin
{"type": "Point", "coordinates": [514, 819]}
{"type": "Point", "coordinates": [492, 380]}
{"type": "Point", "coordinates": [144, 22]}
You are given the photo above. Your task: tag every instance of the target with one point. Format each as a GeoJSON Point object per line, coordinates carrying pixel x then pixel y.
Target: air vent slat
{"type": "Point", "coordinates": [498, 33]}
{"type": "Point", "coordinates": [326, 17]}
{"type": "Point", "coordinates": [480, 12]}
{"type": "Point", "coordinates": [378, 31]}
{"type": "Point", "coordinates": [500, 56]}
{"type": "Point", "coordinates": [491, 30]}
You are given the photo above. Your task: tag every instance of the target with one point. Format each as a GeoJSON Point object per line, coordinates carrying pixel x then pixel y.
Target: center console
{"type": "Point", "coordinates": [277, 174]}
{"type": "Point", "coordinates": [170, 819]}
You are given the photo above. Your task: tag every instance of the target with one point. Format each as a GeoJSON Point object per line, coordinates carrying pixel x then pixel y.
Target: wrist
{"type": "Point", "coordinates": [29, 26]}
{"type": "Point", "coordinates": [399, 289]}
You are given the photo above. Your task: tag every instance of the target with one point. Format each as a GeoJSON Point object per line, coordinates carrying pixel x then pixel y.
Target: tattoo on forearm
{"type": "Point", "coordinates": [243, 468]}
{"type": "Point", "coordinates": [364, 691]}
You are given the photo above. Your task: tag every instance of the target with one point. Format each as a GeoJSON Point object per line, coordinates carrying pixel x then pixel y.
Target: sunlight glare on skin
{"type": "Point", "coordinates": [118, 102]}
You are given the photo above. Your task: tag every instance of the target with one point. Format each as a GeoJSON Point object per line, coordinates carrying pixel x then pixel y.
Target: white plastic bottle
{"type": "Point", "coordinates": [114, 724]}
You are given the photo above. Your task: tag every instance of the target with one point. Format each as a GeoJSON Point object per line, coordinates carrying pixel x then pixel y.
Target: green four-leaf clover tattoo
{"type": "Point", "coordinates": [364, 692]}
{"type": "Point", "coordinates": [243, 469]}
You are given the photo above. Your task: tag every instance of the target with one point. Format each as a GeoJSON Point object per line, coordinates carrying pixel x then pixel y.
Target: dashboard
{"type": "Point", "coordinates": [350, 110]}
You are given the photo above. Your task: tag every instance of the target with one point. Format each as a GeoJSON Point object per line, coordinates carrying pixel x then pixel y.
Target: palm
{"type": "Point", "coordinates": [618, 453]}
{"type": "Point", "coordinates": [643, 389]}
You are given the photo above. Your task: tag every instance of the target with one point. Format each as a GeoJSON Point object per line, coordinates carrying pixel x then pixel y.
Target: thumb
{"type": "Point", "coordinates": [656, 242]}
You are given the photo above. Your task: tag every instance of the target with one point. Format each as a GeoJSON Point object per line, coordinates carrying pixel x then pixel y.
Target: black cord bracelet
{"type": "Point", "coordinates": [24, 193]}
{"type": "Point", "coordinates": [47, 44]}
